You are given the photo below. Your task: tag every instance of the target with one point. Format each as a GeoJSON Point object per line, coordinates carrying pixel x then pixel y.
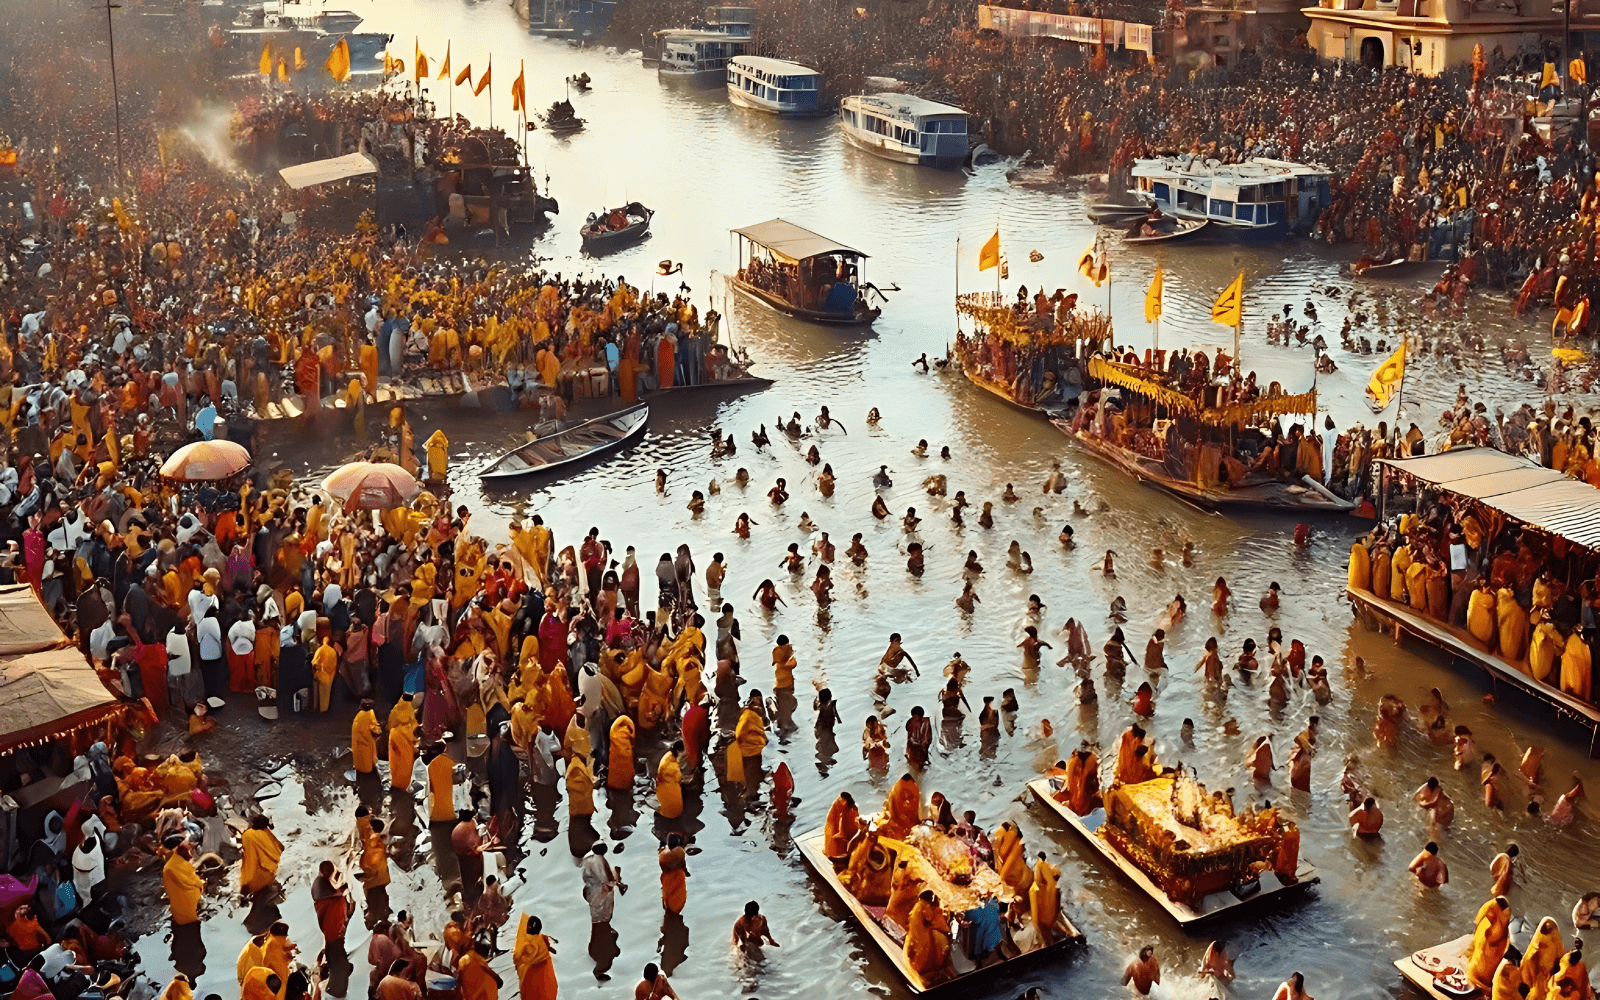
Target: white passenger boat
{"type": "Point", "coordinates": [1257, 199]}
{"type": "Point", "coordinates": [774, 85]}
{"type": "Point", "coordinates": [906, 129]}
{"type": "Point", "coordinates": [700, 55]}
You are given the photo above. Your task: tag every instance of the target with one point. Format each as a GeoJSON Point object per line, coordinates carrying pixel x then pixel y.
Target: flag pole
{"type": "Point", "coordinates": [490, 71]}
{"type": "Point", "coordinates": [958, 283]}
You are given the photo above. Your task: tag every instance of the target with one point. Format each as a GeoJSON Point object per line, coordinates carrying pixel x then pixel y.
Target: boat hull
{"type": "Point", "coordinates": [860, 317]}
{"type": "Point", "coordinates": [546, 455]}
{"type": "Point", "coordinates": [691, 78]}
{"type": "Point", "coordinates": [739, 98]}
{"type": "Point", "coordinates": [878, 146]}
{"type": "Point", "coordinates": [811, 851]}
{"type": "Point", "coordinates": [1262, 497]}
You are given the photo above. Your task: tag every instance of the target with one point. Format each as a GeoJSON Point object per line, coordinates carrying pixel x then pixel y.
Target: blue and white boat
{"type": "Point", "coordinates": [774, 86]}
{"type": "Point", "coordinates": [906, 129]}
{"type": "Point", "coordinates": [700, 55]}
{"type": "Point", "coordinates": [1258, 199]}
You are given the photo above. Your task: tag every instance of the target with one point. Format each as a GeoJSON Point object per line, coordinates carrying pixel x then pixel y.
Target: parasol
{"type": "Point", "coordinates": [372, 485]}
{"type": "Point", "coordinates": [205, 461]}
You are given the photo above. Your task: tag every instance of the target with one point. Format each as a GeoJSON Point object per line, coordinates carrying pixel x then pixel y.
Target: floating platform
{"type": "Point", "coordinates": [810, 844]}
{"type": "Point", "coordinates": [1214, 905]}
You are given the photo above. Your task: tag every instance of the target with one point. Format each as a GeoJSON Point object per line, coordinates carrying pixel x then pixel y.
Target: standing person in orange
{"type": "Point", "coordinates": [332, 902]}
{"type": "Point", "coordinates": [364, 733]}
{"type": "Point", "coordinates": [476, 980]}
{"type": "Point", "coordinates": [402, 743]}
{"type": "Point", "coordinates": [674, 861]}
{"type": "Point", "coordinates": [536, 971]}
{"type": "Point", "coordinates": [260, 851]}
{"type": "Point", "coordinates": [619, 770]}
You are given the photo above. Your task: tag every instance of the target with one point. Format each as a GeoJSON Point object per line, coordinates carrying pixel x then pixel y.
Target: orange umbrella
{"type": "Point", "coordinates": [372, 486]}
{"type": "Point", "coordinates": [206, 461]}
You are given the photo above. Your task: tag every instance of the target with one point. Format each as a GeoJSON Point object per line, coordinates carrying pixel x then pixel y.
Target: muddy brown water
{"type": "Point", "coordinates": [706, 167]}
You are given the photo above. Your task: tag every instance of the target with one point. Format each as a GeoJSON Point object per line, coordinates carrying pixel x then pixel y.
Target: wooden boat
{"type": "Point", "coordinates": [585, 440]}
{"type": "Point", "coordinates": [1111, 213]}
{"type": "Point", "coordinates": [1214, 904]}
{"type": "Point", "coordinates": [1050, 340]}
{"type": "Point", "coordinates": [797, 272]}
{"type": "Point", "coordinates": [745, 383]}
{"type": "Point", "coordinates": [562, 119]}
{"type": "Point", "coordinates": [1440, 971]}
{"type": "Point", "coordinates": [1312, 497]}
{"type": "Point", "coordinates": [1166, 230]}
{"type": "Point", "coordinates": [597, 241]}
{"type": "Point", "coordinates": [811, 851]}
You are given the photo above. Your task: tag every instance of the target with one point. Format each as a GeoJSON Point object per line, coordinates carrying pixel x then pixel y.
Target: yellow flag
{"type": "Point", "coordinates": [483, 81]}
{"type": "Point", "coordinates": [1229, 307]}
{"type": "Point", "coordinates": [1152, 299]}
{"type": "Point", "coordinates": [299, 60]}
{"type": "Point", "coordinates": [989, 256]}
{"type": "Point", "coordinates": [283, 70]}
{"type": "Point", "coordinates": [519, 89]}
{"type": "Point", "coordinates": [1094, 266]}
{"type": "Point", "coordinates": [465, 74]}
{"type": "Point", "coordinates": [1578, 71]}
{"type": "Point", "coordinates": [444, 71]}
{"type": "Point", "coordinates": [421, 65]}
{"type": "Point", "coordinates": [1386, 378]}
{"type": "Point", "coordinates": [266, 58]}
{"type": "Point", "coordinates": [391, 65]}
{"type": "Point", "coordinates": [338, 64]}
{"type": "Point", "coordinates": [1549, 78]}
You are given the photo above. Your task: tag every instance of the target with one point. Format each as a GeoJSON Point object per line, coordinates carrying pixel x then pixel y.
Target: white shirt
{"type": "Point", "coordinates": [178, 654]}
{"type": "Point", "coordinates": [209, 632]}
{"type": "Point", "coordinates": [242, 637]}
{"type": "Point", "coordinates": [199, 601]}
{"type": "Point", "coordinates": [101, 638]}
{"type": "Point", "coordinates": [56, 960]}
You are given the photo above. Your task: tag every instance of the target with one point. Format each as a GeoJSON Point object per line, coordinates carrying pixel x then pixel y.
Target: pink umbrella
{"type": "Point", "coordinates": [372, 486]}
{"type": "Point", "coordinates": [206, 461]}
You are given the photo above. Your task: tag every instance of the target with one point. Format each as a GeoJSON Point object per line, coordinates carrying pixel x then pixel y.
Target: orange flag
{"type": "Point", "coordinates": [465, 74]}
{"type": "Point", "coordinates": [266, 58]}
{"type": "Point", "coordinates": [283, 70]}
{"type": "Point", "coordinates": [519, 90]}
{"type": "Point", "coordinates": [483, 81]}
{"type": "Point", "coordinates": [444, 71]}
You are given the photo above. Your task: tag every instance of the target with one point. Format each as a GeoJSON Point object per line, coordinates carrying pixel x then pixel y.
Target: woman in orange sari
{"type": "Point", "coordinates": [666, 358]}
{"type": "Point", "coordinates": [536, 973]}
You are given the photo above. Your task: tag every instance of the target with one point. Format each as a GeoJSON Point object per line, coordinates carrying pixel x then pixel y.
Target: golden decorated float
{"type": "Point", "coordinates": [1028, 351]}
{"type": "Point", "coordinates": [1184, 846]}
{"type": "Point", "coordinates": [979, 920]}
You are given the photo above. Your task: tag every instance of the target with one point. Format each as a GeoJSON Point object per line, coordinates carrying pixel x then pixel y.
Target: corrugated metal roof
{"type": "Point", "coordinates": [1516, 486]}
{"type": "Point", "coordinates": [335, 168]}
{"type": "Point", "coordinates": [789, 240]}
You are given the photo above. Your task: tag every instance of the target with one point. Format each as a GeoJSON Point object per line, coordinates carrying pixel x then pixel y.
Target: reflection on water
{"type": "Point", "coordinates": [707, 167]}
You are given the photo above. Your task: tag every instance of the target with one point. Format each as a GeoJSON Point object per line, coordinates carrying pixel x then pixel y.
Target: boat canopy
{"type": "Point", "coordinates": [1514, 485]}
{"type": "Point", "coordinates": [335, 168]}
{"type": "Point", "coordinates": [1137, 380]}
{"type": "Point", "coordinates": [785, 239]}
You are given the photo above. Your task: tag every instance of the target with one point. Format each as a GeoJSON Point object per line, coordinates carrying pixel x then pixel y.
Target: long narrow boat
{"type": "Point", "coordinates": [585, 440]}
{"type": "Point", "coordinates": [637, 226]}
{"type": "Point", "coordinates": [746, 383]}
{"type": "Point", "coordinates": [811, 850]}
{"type": "Point", "coordinates": [1166, 231]}
{"type": "Point", "coordinates": [1211, 906]}
{"type": "Point", "coordinates": [1311, 497]}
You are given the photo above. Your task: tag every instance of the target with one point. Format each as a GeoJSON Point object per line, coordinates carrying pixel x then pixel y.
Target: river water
{"type": "Point", "coordinates": [707, 167]}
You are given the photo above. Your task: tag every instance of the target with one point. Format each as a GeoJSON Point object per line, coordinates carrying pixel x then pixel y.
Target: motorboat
{"type": "Point", "coordinates": [778, 87]}
{"type": "Point", "coordinates": [612, 229]}
{"type": "Point", "coordinates": [906, 129]}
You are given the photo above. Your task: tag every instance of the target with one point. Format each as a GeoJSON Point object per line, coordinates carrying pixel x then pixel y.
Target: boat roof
{"type": "Point", "coordinates": [782, 66]}
{"type": "Point", "coordinates": [788, 240]}
{"type": "Point", "coordinates": [909, 104]}
{"type": "Point", "coordinates": [1256, 170]}
{"type": "Point", "coordinates": [1516, 486]}
{"type": "Point", "coordinates": [336, 168]}
{"type": "Point", "coordinates": [698, 35]}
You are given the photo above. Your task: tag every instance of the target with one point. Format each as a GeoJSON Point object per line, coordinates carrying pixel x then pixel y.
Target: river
{"type": "Point", "coordinates": [707, 167]}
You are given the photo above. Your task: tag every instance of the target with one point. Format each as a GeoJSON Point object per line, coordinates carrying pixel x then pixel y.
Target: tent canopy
{"type": "Point", "coordinates": [335, 168]}
{"type": "Point", "coordinates": [25, 626]}
{"type": "Point", "coordinates": [47, 693]}
{"type": "Point", "coordinates": [1516, 486]}
{"type": "Point", "coordinates": [788, 240]}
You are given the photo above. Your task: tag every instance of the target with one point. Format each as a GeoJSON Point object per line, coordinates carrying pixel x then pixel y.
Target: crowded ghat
{"type": "Point", "coordinates": [292, 705]}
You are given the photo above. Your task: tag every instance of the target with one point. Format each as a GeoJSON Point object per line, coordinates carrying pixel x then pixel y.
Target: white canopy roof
{"type": "Point", "coordinates": [336, 168]}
